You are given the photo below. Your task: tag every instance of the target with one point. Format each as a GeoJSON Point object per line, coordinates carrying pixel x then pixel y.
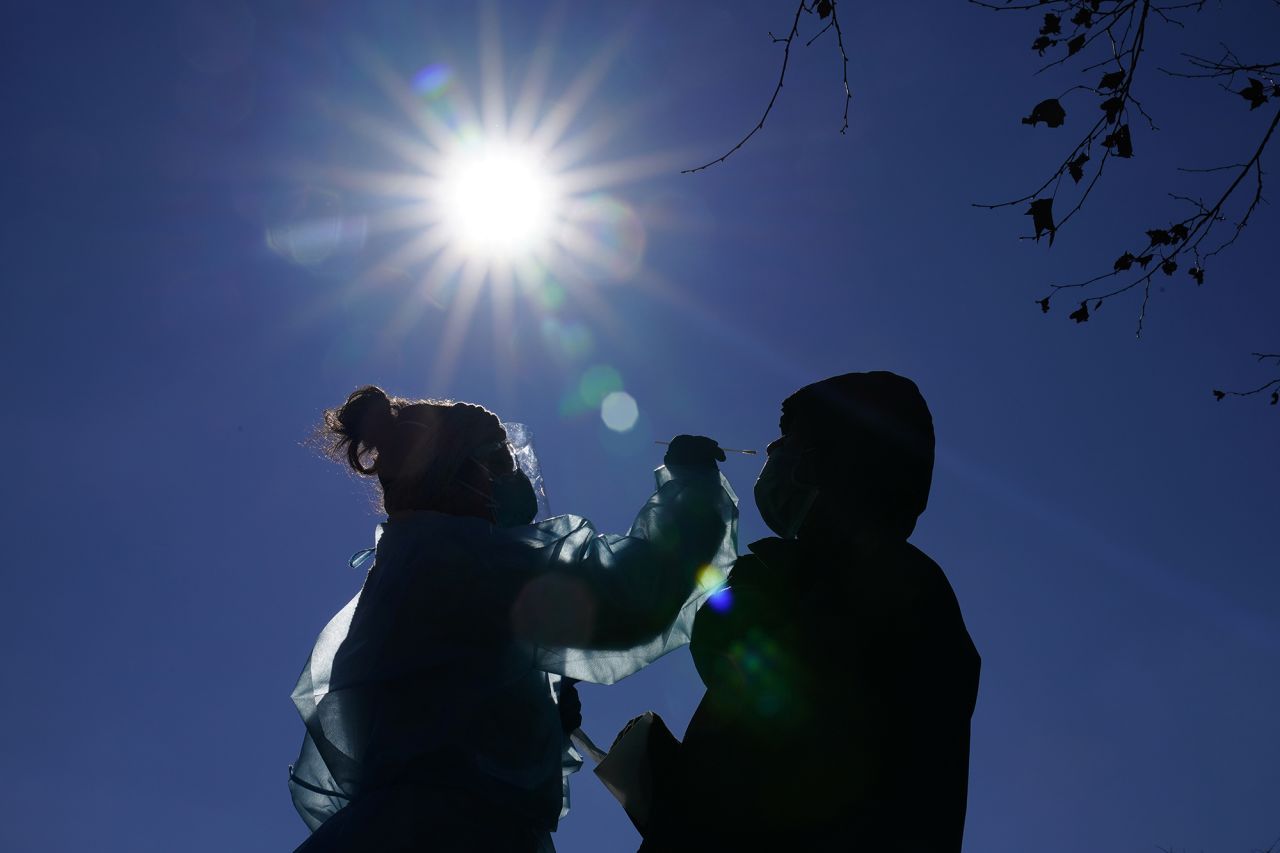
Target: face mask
{"type": "Point", "coordinates": [514, 502]}
{"type": "Point", "coordinates": [783, 502]}
{"type": "Point", "coordinates": [512, 498]}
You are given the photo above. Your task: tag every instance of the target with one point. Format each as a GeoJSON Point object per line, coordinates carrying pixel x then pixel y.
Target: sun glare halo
{"type": "Point", "coordinates": [505, 201]}
{"type": "Point", "coordinates": [498, 200]}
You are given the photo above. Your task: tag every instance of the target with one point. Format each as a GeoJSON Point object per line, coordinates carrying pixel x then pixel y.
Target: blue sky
{"type": "Point", "coordinates": [174, 548]}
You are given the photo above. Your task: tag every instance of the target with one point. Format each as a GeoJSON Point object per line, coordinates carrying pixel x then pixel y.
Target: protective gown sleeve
{"type": "Point", "coordinates": [637, 593]}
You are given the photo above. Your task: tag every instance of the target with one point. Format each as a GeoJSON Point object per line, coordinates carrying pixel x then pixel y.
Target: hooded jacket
{"type": "Point", "coordinates": [840, 678]}
{"type": "Point", "coordinates": [836, 717]}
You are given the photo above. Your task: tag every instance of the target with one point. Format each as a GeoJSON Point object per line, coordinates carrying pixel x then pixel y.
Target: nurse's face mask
{"type": "Point", "coordinates": [511, 496]}
{"type": "Point", "coordinates": [782, 499]}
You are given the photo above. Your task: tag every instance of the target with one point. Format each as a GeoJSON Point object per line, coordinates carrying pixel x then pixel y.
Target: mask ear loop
{"type": "Point", "coordinates": [811, 491]}
{"type": "Point", "coordinates": [488, 499]}
{"type": "Point", "coordinates": [810, 499]}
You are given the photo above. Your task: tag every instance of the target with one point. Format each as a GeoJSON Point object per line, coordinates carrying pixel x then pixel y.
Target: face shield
{"type": "Point", "coordinates": [520, 443]}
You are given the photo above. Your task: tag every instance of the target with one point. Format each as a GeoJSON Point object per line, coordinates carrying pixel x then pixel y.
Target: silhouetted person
{"type": "Point", "coordinates": [432, 722]}
{"type": "Point", "coordinates": [840, 678]}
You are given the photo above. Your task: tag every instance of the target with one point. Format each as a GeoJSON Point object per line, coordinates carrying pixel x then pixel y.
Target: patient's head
{"type": "Point", "coordinates": [856, 451]}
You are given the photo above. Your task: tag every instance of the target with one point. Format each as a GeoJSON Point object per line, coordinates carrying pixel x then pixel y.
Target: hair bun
{"type": "Point", "coordinates": [370, 418]}
{"type": "Point", "coordinates": [361, 425]}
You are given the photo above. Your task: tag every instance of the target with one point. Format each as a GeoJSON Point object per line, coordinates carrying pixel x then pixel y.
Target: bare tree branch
{"type": "Point", "coordinates": [1195, 239]}
{"type": "Point", "coordinates": [1187, 235]}
{"type": "Point", "coordinates": [801, 7]}
{"type": "Point", "coordinates": [825, 9]}
{"type": "Point", "coordinates": [1275, 400]}
{"type": "Point", "coordinates": [1130, 45]}
{"type": "Point", "coordinates": [844, 65]}
{"type": "Point", "coordinates": [1074, 29]}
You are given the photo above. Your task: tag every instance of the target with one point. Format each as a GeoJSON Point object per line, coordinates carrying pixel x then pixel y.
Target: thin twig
{"type": "Point", "coordinates": [844, 60]}
{"type": "Point", "coordinates": [782, 75]}
{"type": "Point", "coordinates": [833, 11]}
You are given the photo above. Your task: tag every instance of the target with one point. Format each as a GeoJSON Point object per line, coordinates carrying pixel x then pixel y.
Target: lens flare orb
{"type": "Point", "coordinates": [619, 411]}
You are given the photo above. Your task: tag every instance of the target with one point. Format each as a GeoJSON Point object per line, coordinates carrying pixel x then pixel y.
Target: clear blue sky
{"type": "Point", "coordinates": [173, 549]}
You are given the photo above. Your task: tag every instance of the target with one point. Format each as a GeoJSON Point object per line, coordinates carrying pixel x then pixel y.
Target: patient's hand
{"type": "Point", "coordinates": [570, 705]}
{"type": "Point", "coordinates": [625, 729]}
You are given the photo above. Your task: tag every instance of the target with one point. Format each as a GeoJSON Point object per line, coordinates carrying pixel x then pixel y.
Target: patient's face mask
{"type": "Point", "coordinates": [783, 501]}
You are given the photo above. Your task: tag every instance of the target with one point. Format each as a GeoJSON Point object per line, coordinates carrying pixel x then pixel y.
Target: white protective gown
{"type": "Point", "coordinates": [418, 679]}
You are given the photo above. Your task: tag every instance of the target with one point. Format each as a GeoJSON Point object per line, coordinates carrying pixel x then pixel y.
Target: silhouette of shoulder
{"type": "Point", "coordinates": [898, 577]}
{"type": "Point", "coordinates": [881, 607]}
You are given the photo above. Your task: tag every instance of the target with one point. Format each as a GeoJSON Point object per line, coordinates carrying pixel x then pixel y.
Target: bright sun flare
{"type": "Point", "coordinates": [498, 201]}
{"type": "Point", "coordinates": [504, 197]}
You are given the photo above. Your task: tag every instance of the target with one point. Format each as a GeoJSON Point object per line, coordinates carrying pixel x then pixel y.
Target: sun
{"type": "Point", "coordinates": [499, 201]}
{"type": "Point", "coordinates": [496, 198]}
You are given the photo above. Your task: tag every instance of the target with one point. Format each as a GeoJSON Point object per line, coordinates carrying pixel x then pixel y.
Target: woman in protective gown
{"type": "Point", "coordinates": [430, 699]}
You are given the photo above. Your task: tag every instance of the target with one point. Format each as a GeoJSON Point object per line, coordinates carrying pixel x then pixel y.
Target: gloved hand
{"type": "Point", "coordinates": [570, 705]}
{"type": "Point", "coordinates": [696, 452]}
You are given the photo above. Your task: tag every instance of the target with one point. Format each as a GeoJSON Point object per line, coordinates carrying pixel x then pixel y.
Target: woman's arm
{"type": "Point", "coordinates": [603, 606]}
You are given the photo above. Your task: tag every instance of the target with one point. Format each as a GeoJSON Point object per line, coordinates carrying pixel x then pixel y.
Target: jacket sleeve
{"type": "Point", "coordinates": [599, 607]}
